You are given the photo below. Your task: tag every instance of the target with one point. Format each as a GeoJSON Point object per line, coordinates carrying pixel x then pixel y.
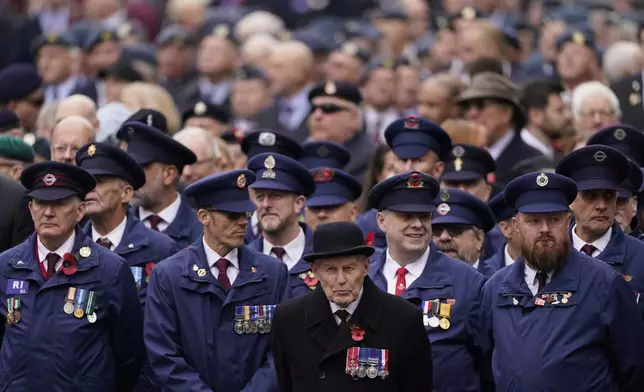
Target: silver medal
{"type": "Point", "coordinates": [434, 322]}
{"type": "Point", "coordinates": [68, 308]}
{"type": "Point", "coordinates": [372, 372]}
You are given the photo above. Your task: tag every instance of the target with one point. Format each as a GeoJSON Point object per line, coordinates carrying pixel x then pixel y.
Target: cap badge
{"type": "Point", "coordinates": [266, 139]}
{"type": "Point", "coordinates": [85, 251]}
{"type": "Point", "coordinates": [411, 122]}
{"type": "Point", "coordinates": [415, 181]}
{"type": "Point", "coordinates": [542, 180]}
{"type": "Point", "coordinates": [323, 151]}
{"type": "Point", "coordinates": [200, 108]}
{"type": "Point", "coordinates": [458, 164]}
{"type": "Point", "coordinates": [636, 85]}
{"type": "Point", "coordinates": [350, 48]}
{"type": "Point", "coordinates": [124, 30]}
{"type": "Point", "coordinates": [323, 175]}
{"type": "Point", "coordinates": [91, 150]}
{"type": "Point", "coordinates": [148, 120]}
{"type": "Point", "coordinates": [29, 138]}
{"type": "Point", "coordinates": [578, 38]}
{"type": "Point", "coordinates": [49, 179]}
{"type": "Point", "coordinates": [468, 13]}
{"type": "Point", "coordinates": [241, 181]}
{"type": "Point", "coordinates": [458, 151]}
{"type": "Point", "coordinates": [634, 99]}
{"type": "Point", "coordinates": [52, 38]}
{"type": "Point", "coordinates": [388, 63]}
{"type": "Point", "coordinates": [106, 35]}
{"type": "Point", "coordinates": [444, 196]}
{"type": "Point", "coordinates": [599, 156]}
{"type": "Point", "coordinates": [238, 133]}
{"type": "Point", "coordinates": [269, 164]}
{"type": "Point", "coordinates": [443, 209]}
{"type": "Point", "coordinates": [329, 88]}
{"type": "Point", "coordinates": [221, 31]}
{"type": "Point", "coordinates": [619, 134]}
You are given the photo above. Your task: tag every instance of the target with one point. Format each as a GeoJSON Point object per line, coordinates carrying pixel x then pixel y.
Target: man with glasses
{"type": "Point", "coordinates": [68, 136]}
{"type": "Point", "coordinates": [206, 148]}
{"type": "Point", "coordinates": [209, 307]}
{"type": "Point", "coordinates": [336, 116]}
{"type": "Point", "coordinates": [599, 172]}
{"type": "Point", "coordinates": [447, 290]}
{"type": "Point", "coordinates": [22, 92]}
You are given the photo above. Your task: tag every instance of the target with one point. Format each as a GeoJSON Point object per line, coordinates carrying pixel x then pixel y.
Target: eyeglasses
{"type": "Point", "coordinates": [452, 230]}
{"type": "Point", "coordinates": [328, 108]}
{"type": "Point", "coordinates": [602, 113]}
{"type": "Point", "coordinates": [233, 216]}
{"type": "Point", "coordinates": [61, 149]}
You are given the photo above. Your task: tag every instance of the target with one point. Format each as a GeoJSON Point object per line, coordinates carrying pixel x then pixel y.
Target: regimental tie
{"type": "Point", "coordinates": [104, 242]}
{"type": "Point", "coordinates": [52, 259]}
{"type": "Point", "coordinates": [154, 222]}
{"type": "Point", "coordinates": [401, 283]}
{"type": "Point", "coordinates": [343, 315]}
{"type": "Point", "coordinates": [222, 277]}
{"type": "Point", "coordinates": [279, 252]}
{"type": "Point", "coordinates": [588, 249]}
{"type": "Point", "coordinates": [542, 278]}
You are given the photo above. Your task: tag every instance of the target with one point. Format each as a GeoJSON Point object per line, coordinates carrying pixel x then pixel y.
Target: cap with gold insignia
{"type": "Point", "coordinates": [628, 140]}
{"type": "Point", "coordinates": [334, 187]}
{"type": "Point", "coordinates": [595, 167]}
{"type": "Point", "coordinates": [226, 191]}
{"type": "Point", "coordinates": [50, 40]}
{"type": "Point", "coordinates": [467, 162]}
{"type": "Point", "coordinates": [464, 209]}
{"type": "Point", "coordinates": [465, 13]}
{"type": "Point", "coordinates": [104, 159]}
{"type": "Point", "coordinates": [338, 89]}
{"type": "Point", "coordinates": [352, 49]}
{"type": "Point", "coordinates": [132, 28]}
{"type": "Point", "coordinates": [219, 113]}
{"type": "Point", "coordinates": [264, 140]}
{"type": "Point", "coordinates": [578, 37]}
{"type": "Point", "coordinates": [220, 29]}
{"type": "Point", "coordinates": [175, 34]}
{"type": "Point", "coordinates": [51, 181]}
{"type": "Point", "coordinates": [412, 137]}
{"type": "Point", "coordinates": [281, 173]}
{"type": "Point", "coordinates": [98, 36]}
{"type": "Point", "coordinates": [324, 154]}
{"type": "Point", "coordinates": [408, 192]}
{"type": "Point", "coordinates": [540, 192]}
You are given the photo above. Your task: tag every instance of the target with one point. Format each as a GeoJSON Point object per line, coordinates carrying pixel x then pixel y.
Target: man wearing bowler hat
{"type": "Point", "coordinates": [347, 334]}
{"type": "Point", "coordinates": [73, 320]}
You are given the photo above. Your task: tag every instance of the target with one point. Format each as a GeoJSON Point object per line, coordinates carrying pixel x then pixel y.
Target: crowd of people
{"type": "Point", "coordinates": [308, 195]}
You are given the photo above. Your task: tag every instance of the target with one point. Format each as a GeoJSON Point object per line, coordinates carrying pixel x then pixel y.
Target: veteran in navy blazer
{"type": "Point", "coordinates": [208, 306]}
{"type": "Point", "coordinates": [446, 290]}
{"type": "Point", "coordinates": [316, 335]}
{"type": "Point", "coordinates": [557, 319]}
{"type": "Point", "coordinates": [158, 204]}
{"type": "Point", "coordinates": [118, 176]}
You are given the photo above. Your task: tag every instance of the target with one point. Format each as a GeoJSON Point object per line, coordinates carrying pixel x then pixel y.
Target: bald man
{"type": "Point", "coordinates": [78, 105]}
{"type": "Point", "coordinates": [290, 70]}
{"type": "Point", "coordinates": [210, 152]}
{"type": "Point", "coordinates": [68, 136]}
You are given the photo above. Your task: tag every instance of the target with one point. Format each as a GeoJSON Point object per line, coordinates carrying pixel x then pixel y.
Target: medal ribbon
{"type": "Point", "coordinates": [80, 297]}
{"type": "Point", "coordinates": [239, 312]}
{"type": "Point", "coordinates": [137, 272]}
{"type": "Point", "coordinates": [427, 307]}
{"type": "Point", "coordinates": [445, 310]}
{"type": "Point", "coordinates": [10, 305]}
{"type": "Point", "coordinates": [91, 300]}
{"type": "Point", "coordinates": [16, 303]}
{"type": "Point", "coordinates": [253, 314]}
{"type": "Point", "coordinates": [352, 360]}
{"type": "Point", "coordinates": [246, 313]}
{"type": "Point", "coordinates": [374, 356]}
{"type": "Point", "coordinates": [71, 294]}
{"type": "Point", "coordinates": [435, 306]}
{"type": "Point", "coordinates": [363, 356]}
{"type": "Point", "coordinates": [385, 361]}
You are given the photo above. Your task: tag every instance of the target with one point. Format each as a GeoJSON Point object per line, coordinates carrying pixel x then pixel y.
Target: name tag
{"type": "Point", "coordinates": [17, 287]}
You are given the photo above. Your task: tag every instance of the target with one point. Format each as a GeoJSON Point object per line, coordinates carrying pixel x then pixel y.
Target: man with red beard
{"type": "Point", "coordinates": [557, 319]}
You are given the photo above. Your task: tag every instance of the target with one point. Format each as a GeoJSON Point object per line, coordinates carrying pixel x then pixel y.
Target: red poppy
{"type": "Point", "coordinates": [357, 334]}
{"type": "Point", "coordinates": [370, 238]}
{"type": "Point", "coordinates": [69, 264]}
{"type": "Point", "coordinates": [310, 280]}
{"type": "Point", "coordinates": [149, 267]}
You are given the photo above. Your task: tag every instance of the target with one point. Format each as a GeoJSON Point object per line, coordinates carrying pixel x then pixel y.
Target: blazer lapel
{"type": "Point", "coordinates": [318, 319]}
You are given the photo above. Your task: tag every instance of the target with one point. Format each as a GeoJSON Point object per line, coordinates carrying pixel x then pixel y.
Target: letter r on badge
{"type": "Point", "coordinates": [17, 285]}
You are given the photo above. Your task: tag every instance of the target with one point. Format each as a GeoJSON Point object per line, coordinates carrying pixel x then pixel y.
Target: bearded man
{"type": "Point", "coordinates": [558, 319]}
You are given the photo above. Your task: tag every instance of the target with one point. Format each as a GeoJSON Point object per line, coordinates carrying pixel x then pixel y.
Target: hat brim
{"type": "Point", "coordinates": [236, 206]}
{"type": "Point", "coordinates": [462, 176]}
{"type": "Point", "coordinates": [450, 220]}
{"type": "Point", "coordinates": [272, 185]}
{"type": "Point", "coordinates": [420, 208]}
{"type": "Point", "coordinates": [363, 250]}
{"type": "Point", "coordinates": [410, 151]}
{"type": "Point", "coordinates": [104, 172]}
{"type": "Point", "coordinates": [598, 183]}
{"type": "Point", "coordinates": [326, 201]}
{"type": "Point", "coordinates": [543, 208]}
{"type": "Point", "coordinates": [52, 194]}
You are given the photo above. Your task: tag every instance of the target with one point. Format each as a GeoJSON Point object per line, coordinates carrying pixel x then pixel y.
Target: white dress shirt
{"type": "Point", "coordinates": [167, 214]}
{"type": "Point", "coordinates": [212, 257]}
{"type": "Point", "coordinates": [600, 244]}
{"type": "Point", "coordinates": [508, 259]}
{"type": "Point", "coordinates": [530, 275]}
{"type": "Point", "coordinates": [294, 250]}
{"type": "Point", "coordinates": [66, 247]}
{"type": "Point", "coordinates": [534, 142]}
{"type": "Point", "coordinates": [350, 309]}
{"type": "Point", "coordinates": [497, 148]}
{"type": "Point", "coordinates": [216, 93]}
{"type": "Point", "coordinates": [59, 91]}
{"type": "Point", "coordinates": [414, 270]}
{"type": "Point", "coordinates": [300, 108]}
{"type": "Point", "coordinates": [115, 236]}
{"type": "Point", "coordinates": [376, 122]}
{"type": "Point", "coordinates": [476, 265]}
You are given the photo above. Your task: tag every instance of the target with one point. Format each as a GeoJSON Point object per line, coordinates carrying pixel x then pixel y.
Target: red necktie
{"type": "Point", "coordinates": [154, 222]}
{"type": "Point", "coordinates": [588, 249]}
{"type": "Point", "coordinates": [222, 278]}
{"type": "Point", "coordinates": [401, 283]}
{"type": "Point", "coordinates": [52, 259]}
{"type": "Point", "coordinates": [279, 252]}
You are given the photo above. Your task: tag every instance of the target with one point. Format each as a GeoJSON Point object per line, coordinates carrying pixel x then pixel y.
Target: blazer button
{"type": "Point", "coordinates": [321, 375]}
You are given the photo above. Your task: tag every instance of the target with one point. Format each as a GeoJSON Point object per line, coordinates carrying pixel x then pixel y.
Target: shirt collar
{"type": "Point", "coordinates": [213, 257]}
{"type": "Point", "coordinates": [531, 273]}
{"type": "Point", "coordinates": [301, 99]}
{"type": "Point", "coordinates": [351, 308]}
{"type": "Point", "coordinates": [497, 148]}
{"type": "Point", "coordinates": [115, 236]}
{"type": "Point", "coordinates": [66, 247]}
{"type": "Point", "coordinates": [601, 243]}
{"type": "Point", "coordinates": [476, 265]}
{"type": "Point", "coordinates": [508, 259]}
{"type": "Point", "coordinates": [167, 214]}
{"type": "Point", "coordinates": [294, 249]}
{"type": "Point", "coordinates": [415, 269]}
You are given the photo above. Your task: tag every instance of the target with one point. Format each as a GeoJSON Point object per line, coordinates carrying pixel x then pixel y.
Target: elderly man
{"type": "Point", "coordinates": [347, 63]}
{"type": "Point", "coordinates": [343, 335]}
{"type": "Point", "coordinates": [594, 106]}
{"type": "Point", "coordinates": [576, 317]}
{"type": "Point", "coordinates": [599, 172]}
{"type": "Point", "coordinates": [249, 96]}
{"type": "Point", "coordinates": [55, 66]}
{"type": "Point", "coordinates": [60, 280]}
{"type": "Point", "coordinates": [22, 92]}
{"type": "Point", "coordinates": [629, 91]}
{"type": "Point", "coordinates": [378, 84]}
{"type": "Point", "coordinates": [78, 105]}
{"type": "Point", "coordinates": [68, 136]}
{"type": "Point", "coordinates": [290, 73]}
{"type": "Point", "coordinates": [336, 117]}
{"type": "Point", "coordinates": [210, 157]}
{"type": "Point", "coordinates": [209, 307]}
{"type": "Point", "coordinates": [492, 100]}
{"type": "Point", "coordinates": [437, 96]}
{"type": "Point", "coordinates": [414, 268]}
{"type": "Point", "coordinates": [623, 60]}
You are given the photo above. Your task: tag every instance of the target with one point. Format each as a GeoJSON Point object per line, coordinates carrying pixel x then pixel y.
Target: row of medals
{"type": "Point", "coordinates": [78, 312]}
{"type": "Point", "coordinates": [435, 322]}
{"type": "Point", "coordinates": [247, 326]}
{"type": "Point", "coordinates": [362, 371]}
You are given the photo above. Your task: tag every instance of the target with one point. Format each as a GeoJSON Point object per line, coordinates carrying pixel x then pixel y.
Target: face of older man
{"type": "Point", "coordinates": [56, 219]}
{"type": "Point", "coordinates": [594, 213]}
{"type": "Point", "coordinates": [315, 216]}
{"type": "Point", "coordinates": [595, 113]}
{"type": "Point", "coordinates": [341, 278]}
{"type": "Point", "coordinates": [626, 211]}
{"type": "Point", "coordinates": [108, 196]}
{"type": "Point", "coordinates": [494, 115]}
{"type": "Point", "coordinates": [206, 162]}
{"type": "Point", "coordinates": [545, 240]}
{"type": "Point", "coordinates": [380, 88]}
{"type": "Point", "coordinates": [276, 210]}
{"type": "Point", "coordinates": [249, 97]}
{"type": "Point", "coordinates": [333, 119]}
{"type": "Point", "coordinates": [226, 229]}
{"type": "Point", "coordinates": [433, 101]}
{"type": "Point", "coordinates": [462, 242]}
{"type": "Point", "coordinates": [68, 137]}
{"type": "Point", "coordinates": [215, 55]}
{"type": "Point", "coordinates": [342, 66]}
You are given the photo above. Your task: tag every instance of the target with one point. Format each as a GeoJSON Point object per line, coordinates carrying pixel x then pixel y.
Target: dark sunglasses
{"type": "Point", "coordinates": [453, 230]}
{"type": "Point", "coordinates": [480, 104]}
{"type": "Point", "coordinates": [327, 108]}
{"type": "Point", "coordinates": [233, 216]}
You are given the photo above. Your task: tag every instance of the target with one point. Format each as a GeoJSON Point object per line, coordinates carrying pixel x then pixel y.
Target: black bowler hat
{"type": "Point", "coordinates": [104, 159]}
{"type": "Point", "coordinates": [51, 181]}
{"type": "Point", "coordinates": [338, 239]}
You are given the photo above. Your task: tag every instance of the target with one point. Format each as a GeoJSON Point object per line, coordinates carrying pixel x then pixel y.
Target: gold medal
{"type": "Point", "coordinates": [79, 313]}
{"type": "Point", "coordinates": [444, 323]}
{"type": "Point", "coordinates": [16, 316]}
{"type": "Point", "coordinates": [10, 319]}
